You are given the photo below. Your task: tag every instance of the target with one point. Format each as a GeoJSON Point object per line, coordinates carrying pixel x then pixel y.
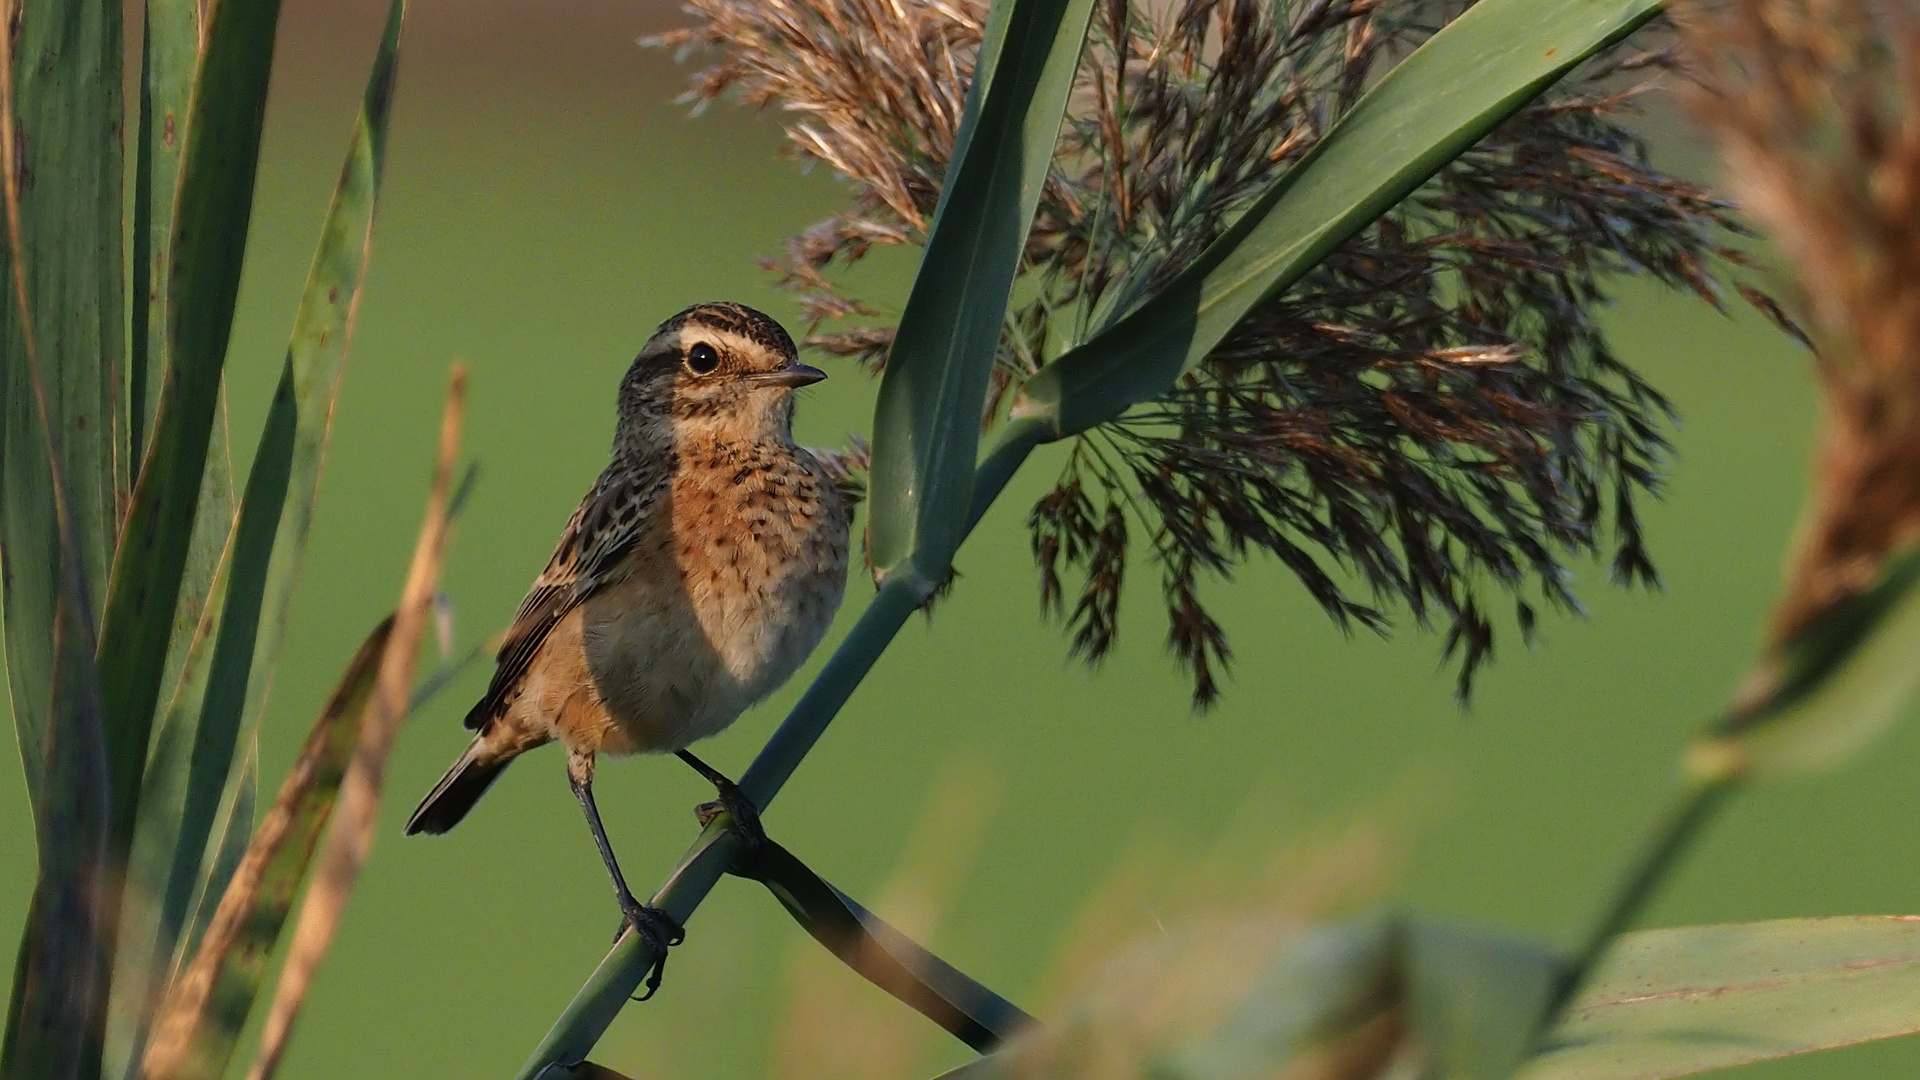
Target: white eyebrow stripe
{"type": "Point", "coordinates": [728, 342]}
{"type": "Point", "coordinates": [748, 350]}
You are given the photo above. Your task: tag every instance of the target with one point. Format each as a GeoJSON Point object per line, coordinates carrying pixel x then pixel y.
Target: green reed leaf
{"type": "Point", "coordinates": [1679, 1001]}
{"type": "Point", "coordinates": [927, 419]}
{"type": "Point", "coordinates": [211, 213]}
{"type": "Point", "coordinates": [1476, 999]}
{"type": "Point", "coordinates": [149, 935]}
{"type": "Point", "coordinates": [221, 703]}
{"type": "Point", "coordinates": [67, 114]}
{"type": "Point", "coordinates": [57, 1017]}
{"type": "Point", "coordinates": [61, 462]}
{"type": "Point", "coordinates": [283, 486]}
{"type": "Point", "coordinates": [231, 837]}
{"type": "Point", "coordinates": [169, 53]}
{"type": "Point", "coordinates": [1459, 85]}
{"type": "Point", "coordinates": [1258, 996]}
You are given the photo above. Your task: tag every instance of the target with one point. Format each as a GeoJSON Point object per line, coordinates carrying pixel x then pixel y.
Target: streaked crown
{"type": "Point", "coordinates": [716, 370]}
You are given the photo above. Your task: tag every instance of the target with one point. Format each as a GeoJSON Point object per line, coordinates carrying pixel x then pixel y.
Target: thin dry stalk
{"type": "Point", "coordinates": [351, 836]}
{"type": "Point", "coordinates": [194, 1027]}
{"type": "Point", "coordinates": [1815, 105]}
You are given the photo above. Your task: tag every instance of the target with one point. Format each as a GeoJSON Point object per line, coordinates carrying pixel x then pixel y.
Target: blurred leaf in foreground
{"type": "Point", "coordinates": [1258, 996]}
{"type": "Point", "coordinates": [1672, 1002]}
{"type": "Point", "coordinates": [1387, 997]}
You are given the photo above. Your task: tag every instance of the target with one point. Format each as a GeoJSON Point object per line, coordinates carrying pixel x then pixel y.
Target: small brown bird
{"type": "Point", "coordinates": [697, 574]}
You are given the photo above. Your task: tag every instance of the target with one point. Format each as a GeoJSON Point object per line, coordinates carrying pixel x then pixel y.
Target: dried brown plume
{"type": "Point", "coordinates": [1815, 105]}
{"type": "Point", "coordinates": [1431, 415]}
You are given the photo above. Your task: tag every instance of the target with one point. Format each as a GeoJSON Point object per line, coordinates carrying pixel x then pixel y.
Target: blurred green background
{"type": "Point", "coordinates": [547, 205]}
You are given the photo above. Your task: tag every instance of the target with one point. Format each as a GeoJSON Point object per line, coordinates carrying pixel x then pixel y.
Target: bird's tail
{"type": "Point", "coordinates": [455, 794]}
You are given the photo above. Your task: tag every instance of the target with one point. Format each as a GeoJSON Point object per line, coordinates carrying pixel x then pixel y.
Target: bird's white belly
{"type": "Point", "coordinates": [682, 660]}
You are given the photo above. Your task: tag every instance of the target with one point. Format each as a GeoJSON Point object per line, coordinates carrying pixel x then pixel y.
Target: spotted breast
{"type": "Point", "coordinates": [725, 596]}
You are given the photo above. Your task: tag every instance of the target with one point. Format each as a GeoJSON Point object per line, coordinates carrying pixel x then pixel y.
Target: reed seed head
{"type": "Point", "coordinates": [1815, 107]}
{"type": "Point", "coordinates": [1430, 419]}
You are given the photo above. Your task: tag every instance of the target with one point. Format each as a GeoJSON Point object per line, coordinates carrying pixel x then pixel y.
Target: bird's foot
{"type": "Point", "coordinates": [743, 818]}
{"type": "Point", "coordinates": [660, 932]}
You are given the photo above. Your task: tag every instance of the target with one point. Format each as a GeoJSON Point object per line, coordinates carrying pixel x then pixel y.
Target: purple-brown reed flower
{"type": "Point", "coordinates": [1430, 416]}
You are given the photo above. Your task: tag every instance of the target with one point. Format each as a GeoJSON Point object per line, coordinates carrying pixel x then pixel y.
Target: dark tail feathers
{"type": "Point", "coordinates": [456, 793]}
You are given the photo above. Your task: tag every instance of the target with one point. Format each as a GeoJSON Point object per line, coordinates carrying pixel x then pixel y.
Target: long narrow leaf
{"type": "Point", "coordinates": [1672, 1002]}
{"type": "Point", "coordinates": [1443, 98]}
{"type": "Point", "coordinates": [1255, 995]}
{"type": "Point", "coordinates": [276, 513]}
{"type": "Point", "coordinates": [59, 445]}
{"type": "Point", "coordinates": [56, 1020]}
{"type": "Point", "coordinates": [232, 835]}
{"type": "Point", "coordinates": [169, 52]}
{"type": "Point", "coordinates": [352, 836]}
{"type": "Point", "coordinates": [196, 1028]}
{"type": "Point", "coordinates": [68, 249]}
{"type": "Point", "coordinates": [927, 420]}
{"type": "Point", "coordinates": [67, 108]}
{"type": "Point", "coordinates": [149, 937]}
{"type": "Point", "coordinates": [211, 211]}
{"type": "Point", "coordinates": [293, 445]}
{"type": "Point", "coordinates": [883, 955]}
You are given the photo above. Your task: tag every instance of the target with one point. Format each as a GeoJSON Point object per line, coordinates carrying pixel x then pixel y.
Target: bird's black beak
{"type": "Point", "coordinates": [790, 376]}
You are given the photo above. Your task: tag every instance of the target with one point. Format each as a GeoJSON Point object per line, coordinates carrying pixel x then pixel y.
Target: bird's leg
{"type": "Point", "coordinates": [739, 809]}
{"type": "Point", "coordinates": [659, 928]}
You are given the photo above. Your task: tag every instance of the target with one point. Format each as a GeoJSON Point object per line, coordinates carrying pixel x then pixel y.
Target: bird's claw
{"type": "Point", "coordinates": [743, 818]}
{"type": "Point", "coordinates": [661, 933]}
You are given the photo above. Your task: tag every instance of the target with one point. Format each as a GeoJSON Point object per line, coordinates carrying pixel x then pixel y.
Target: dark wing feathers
{"type": "Point", "coordinates": [600, 533]}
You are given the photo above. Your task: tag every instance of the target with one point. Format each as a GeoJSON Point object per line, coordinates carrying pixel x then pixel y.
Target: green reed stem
{"type": "Point", "coordinates": [1692, 809]}
{"type": "Point", "coordinates": [607, 990]}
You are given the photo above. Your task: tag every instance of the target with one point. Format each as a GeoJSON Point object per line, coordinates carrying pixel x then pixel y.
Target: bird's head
{"type": "Point", "coordinates": [717, 372]}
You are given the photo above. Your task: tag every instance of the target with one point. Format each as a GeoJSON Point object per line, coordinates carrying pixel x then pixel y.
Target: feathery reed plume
{"type": "Point", "coordinates": [1816, 109]}
{"type": "Point", "coordinates": [1430, 415]}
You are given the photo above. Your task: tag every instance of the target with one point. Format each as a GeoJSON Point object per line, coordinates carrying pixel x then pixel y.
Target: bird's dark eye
{"type": "Point", "coordinates": [702, 359]}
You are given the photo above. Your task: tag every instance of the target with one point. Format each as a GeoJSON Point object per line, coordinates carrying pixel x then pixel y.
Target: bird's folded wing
{"type": "Point", "coordinates": [588, 558]}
